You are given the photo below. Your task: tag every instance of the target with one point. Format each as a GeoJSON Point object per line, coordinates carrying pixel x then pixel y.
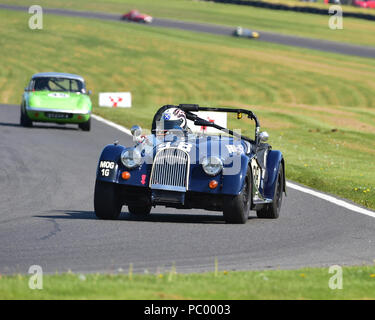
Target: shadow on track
{"type": "Point", "coordinates": [58, 127]}
{"type": "Point", "coordinates": [153, 217]}
{"type": "Point", "coordinates": [5, 124]}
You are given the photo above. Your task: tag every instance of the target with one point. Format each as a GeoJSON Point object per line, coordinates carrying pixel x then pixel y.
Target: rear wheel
{"type": "Point", "coordinates": [237, 208]}
{"type": "Point", "coordinates": [25, 121]}
{"type": "Point", "coordinates": [107, 203]}
{"type": "Point", "coordinates": [142, 210]}
{"type": "Point", "coordinates": [272, 210]}
{"type": "Point", "coordinates": [85, 126]}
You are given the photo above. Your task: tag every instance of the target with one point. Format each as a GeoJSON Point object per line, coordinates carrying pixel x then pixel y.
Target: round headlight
{"type": "Point", "coordinates": [212, 165]}
{"type": "Point", "coordinates": [131, 158]}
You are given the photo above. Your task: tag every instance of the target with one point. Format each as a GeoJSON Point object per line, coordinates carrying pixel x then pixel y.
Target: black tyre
{"type": "Point", "coordinates": [25, 121]}
{"type": "Point", "coordinates": [139, 210]}
{"type": "Point", "coordinates": [272, 210]}
{"type": "Point", "coordinates": [236, 208]}
{"type": "Point", "coordinates": [107, 204]}
{"type": "Point", "coordinates": [85, 126]}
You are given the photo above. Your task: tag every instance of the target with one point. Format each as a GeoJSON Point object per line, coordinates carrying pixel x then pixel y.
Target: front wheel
{"type": "Point", "coordinates": [237, 208]}
{"type": "Point", "coordinates": [25, 121]}
{"type": "Point", "coordinates": [107, 203]}
{"type": "Point", "coordinates": [272, 210]}
{"type": "Point", "coordinates": [85, 126]}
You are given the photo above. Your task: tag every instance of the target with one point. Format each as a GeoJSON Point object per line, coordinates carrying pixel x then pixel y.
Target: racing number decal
{"type": "Point", "coordinates": [235, 148]}
{"type": "Point", "coordinates": [182, 146]}
{"type": "Point", "coordinates": [256, 172]}
{"type": "Point", "coordinates": [106, 167]}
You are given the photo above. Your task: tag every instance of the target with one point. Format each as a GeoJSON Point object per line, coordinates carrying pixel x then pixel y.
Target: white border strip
{"type": "Point", "coordinates": [112, 124]}
{"type": "Point", "coordinates": [331, 199]}
{"type": "Point", "coordinates": [291, 185]}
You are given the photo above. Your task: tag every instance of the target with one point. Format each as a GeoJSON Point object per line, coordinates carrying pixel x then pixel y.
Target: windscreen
{"type": "Point", "coordinates": [58, 84]}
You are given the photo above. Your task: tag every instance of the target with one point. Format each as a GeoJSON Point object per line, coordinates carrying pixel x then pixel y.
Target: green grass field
{"type": "Point", "coordinates": [309, 25]}
{"type": "Point", "coordinates": [310, 283]}
{"type": "Point", "coordinates": [321, 5]}
{"type": "Point", "coordinates": [317, 107]}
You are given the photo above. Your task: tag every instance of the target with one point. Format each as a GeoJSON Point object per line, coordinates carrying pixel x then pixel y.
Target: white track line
{"type": "Point", "coordinates": [291, 185]}
{"type": "Point", "coordinates": [331, 199]}
{"type": "Point", "coordinates": [112, 124]}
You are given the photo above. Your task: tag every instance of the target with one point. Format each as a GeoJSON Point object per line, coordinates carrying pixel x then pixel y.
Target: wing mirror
{"type": "Point", "coordinates": [263, 136]}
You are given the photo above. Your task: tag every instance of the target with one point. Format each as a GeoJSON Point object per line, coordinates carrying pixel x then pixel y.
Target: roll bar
{"type": "Point", "coordinates": [190, 108]}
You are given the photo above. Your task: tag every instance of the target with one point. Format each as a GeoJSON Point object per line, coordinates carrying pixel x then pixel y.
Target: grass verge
{"type": "Point", "coordinates": [308, 283]}
{"type": "Point", "coordinates": [319, 108]}
{"type": "Point", "coordinates": [355, 31]}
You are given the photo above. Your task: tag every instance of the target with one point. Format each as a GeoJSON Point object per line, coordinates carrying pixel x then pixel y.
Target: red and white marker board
{"type": "Point", "coordinates": [115, 99]}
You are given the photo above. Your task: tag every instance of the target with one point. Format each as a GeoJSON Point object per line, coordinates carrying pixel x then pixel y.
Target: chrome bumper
{"type": "Point", "coordinates": [73, 111]}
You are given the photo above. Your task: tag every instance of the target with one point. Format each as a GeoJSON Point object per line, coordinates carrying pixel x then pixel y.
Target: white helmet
{"type": "Point", "coordinates": [172, 119]}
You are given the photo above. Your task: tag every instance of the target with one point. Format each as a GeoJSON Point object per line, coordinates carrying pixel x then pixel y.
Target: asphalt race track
{"type": "Point", "coordinates": [309, 43]}
{"type": "Point", "coordinates": [47, 176]}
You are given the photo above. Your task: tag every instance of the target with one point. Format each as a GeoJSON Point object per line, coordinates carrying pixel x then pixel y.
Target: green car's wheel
{"type": "Point", "coordinates": [140, 210]}
{"type": "Point", "coordinates": [25, 120]}
{"type": "Point", "coordinates": [272, 210]}
{"type": "Point", "coordinates": [107, 204]}
{"type": "Point", "coordinates": [237, 208]}
{"type": "Point", "coordinates": [85, 126]}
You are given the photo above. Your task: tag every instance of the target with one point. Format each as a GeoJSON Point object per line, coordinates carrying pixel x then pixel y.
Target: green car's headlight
{"type": "Point", "coordinates": [212, 165]}
{"type": "Point", "coordinates": [131, 158]}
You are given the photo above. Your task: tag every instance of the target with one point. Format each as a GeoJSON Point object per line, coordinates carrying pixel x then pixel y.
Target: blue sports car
{"type": "Point", "coordinates": [175, 167]}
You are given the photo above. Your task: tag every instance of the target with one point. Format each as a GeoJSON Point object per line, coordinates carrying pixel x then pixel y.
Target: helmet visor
{"type": "Point", "coordinates": [170, 124]}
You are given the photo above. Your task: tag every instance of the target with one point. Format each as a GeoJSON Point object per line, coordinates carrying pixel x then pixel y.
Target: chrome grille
{"type": "Point", "coordinates": [170, 170]}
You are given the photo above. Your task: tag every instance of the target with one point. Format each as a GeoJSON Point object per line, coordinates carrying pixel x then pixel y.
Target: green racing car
{"type": "Point", "coordinates": [58, 98]}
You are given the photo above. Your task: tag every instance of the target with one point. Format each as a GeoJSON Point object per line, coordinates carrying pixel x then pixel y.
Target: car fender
{"type": "Point", "coordinates": [110, 168]}
{"type": "Point", "coordinates": [108, 165]}
{"type": "Point", "coordinates": [25, 101]}
{"type": "Point", "coordinates": [233, 183]}
{"type": "Point", "coordinates": [275, 161]}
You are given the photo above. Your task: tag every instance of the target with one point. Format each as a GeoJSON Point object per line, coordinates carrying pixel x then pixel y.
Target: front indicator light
{"type": "Point", "coordinates": [126, 175]}
{"type": "Point", "coordinates": [213, 184]}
